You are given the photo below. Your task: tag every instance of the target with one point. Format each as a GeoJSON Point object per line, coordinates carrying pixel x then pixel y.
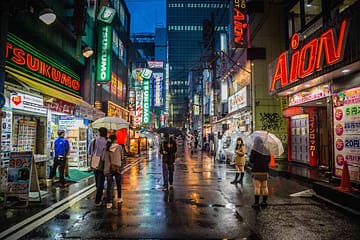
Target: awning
{"type": "Point", "coordinates": [51, 91]}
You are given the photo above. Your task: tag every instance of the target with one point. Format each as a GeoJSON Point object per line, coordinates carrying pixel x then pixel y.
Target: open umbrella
{"type": "Point", "coordinates": [265, 143]}
{"type": "Point", "coordinates": [111, 123]}
{"type": "Point", "coordinates": [170, 130]}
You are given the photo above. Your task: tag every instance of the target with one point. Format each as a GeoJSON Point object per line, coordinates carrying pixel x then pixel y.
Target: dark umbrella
{"type": "Point", "coordinates": [170, 131]}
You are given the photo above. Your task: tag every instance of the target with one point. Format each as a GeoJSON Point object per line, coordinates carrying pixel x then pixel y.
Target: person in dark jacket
{"type": "Point", "coordinates": [260, 160]}
{"type": "Point", "coordinates": [168, 150]}
{"type": "Point", "coordinates": [96, 147]}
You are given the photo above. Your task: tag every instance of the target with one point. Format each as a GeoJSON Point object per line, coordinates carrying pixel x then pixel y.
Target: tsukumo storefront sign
{"type": "Point", "coordinates": [304, 60]}
{"type": "Point", "coordinates": [22, 58]}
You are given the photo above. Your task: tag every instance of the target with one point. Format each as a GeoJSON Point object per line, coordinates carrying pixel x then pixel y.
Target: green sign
{"type": "Point", "coordinates": [146, 105]}
{"type": "Point", "coordinates": [106, 14]}
{"type": "Point", "coordinates": [103, 73]}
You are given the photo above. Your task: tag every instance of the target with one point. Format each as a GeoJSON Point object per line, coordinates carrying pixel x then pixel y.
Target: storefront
{"type": "Point", "coordinates": [38, 91]}
{"type": "Point", "coordinates": [318, 76]}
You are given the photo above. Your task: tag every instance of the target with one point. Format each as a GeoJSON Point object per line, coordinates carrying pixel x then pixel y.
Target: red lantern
{"type": "Point", "coordinates": [121, 135]}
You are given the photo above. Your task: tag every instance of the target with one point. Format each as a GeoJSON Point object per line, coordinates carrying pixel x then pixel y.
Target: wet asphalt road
{"type": "Point", "coordinates": [203, 205]}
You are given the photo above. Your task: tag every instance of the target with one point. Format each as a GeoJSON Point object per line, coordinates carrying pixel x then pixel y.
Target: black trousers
{"type": "Point", "coordinates": [61, 164]}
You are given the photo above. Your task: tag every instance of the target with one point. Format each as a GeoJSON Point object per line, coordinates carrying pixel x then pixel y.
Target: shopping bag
{"type": "Point", "coordinates": [95, 162]}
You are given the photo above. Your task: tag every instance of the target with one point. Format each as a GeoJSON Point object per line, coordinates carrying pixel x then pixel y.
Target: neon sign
{"type": "Point", "coordinates": [104, 54]}
{"type": "Point", "coordinates": [239, 23]}
{"type": "Point", "coordinates": [311, 57]}
{"type": "Point", "coordinates": [23, 57]}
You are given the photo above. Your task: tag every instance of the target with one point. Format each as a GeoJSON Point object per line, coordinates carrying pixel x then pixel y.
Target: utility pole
{"type": "Point", "coordinates": [213, 50]}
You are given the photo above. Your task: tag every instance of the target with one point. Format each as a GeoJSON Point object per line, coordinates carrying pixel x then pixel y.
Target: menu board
{"type": "Point", "coordinates": [347, 131]}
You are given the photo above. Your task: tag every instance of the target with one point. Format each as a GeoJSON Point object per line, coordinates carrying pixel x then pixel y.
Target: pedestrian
{"type": "Point", "coordinates": [61, 149]}
{"type": "Point", "coordinates": [168, 150]}
{"type": "Point", "coordinates": [260, 159]}
{"type": "Point", "coordinates": [113, 157]}
{"type": "Point", "coordinates": [96, 148]}
{"type": "Point", "coordinates": [239, 157]}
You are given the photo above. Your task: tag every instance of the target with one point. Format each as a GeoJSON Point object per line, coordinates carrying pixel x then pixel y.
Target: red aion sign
{"type": "Point", "coordinates": [311, 57]}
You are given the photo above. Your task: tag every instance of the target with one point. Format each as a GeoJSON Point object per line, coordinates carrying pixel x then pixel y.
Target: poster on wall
{"type": "Point", "coordinates": [347, 132]}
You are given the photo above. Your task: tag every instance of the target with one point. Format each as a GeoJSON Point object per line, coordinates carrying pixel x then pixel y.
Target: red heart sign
{"type": "Point", "coordinates": [16, 100]}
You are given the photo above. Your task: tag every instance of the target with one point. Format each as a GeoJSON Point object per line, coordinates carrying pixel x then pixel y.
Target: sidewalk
{"type": "Point", "coordinates": [322, 183]}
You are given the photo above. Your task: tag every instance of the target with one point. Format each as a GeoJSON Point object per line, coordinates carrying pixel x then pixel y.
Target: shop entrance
{"type": "Point", "coordinates": [323, 136]}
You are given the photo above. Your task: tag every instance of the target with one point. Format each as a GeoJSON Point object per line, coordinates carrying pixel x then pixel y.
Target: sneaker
{"type": "Point", "coordinates": [165, 188]}
{"type": "Point", "coordinates": [109, 205]}
{"type": "Point", "coordinates": [171, 187]}
{"type": "Point", "coordinates": [98, 204]}
{"type": "Point", "coordinates": [65, 185]}
{"type": "Point", "coordinates": [120, 200]}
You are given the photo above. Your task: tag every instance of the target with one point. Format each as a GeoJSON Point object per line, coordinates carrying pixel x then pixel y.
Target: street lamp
{"type": "Point", "coordinates": [87, 52]}
{"type": "Point", "coordinates": [47, 16]}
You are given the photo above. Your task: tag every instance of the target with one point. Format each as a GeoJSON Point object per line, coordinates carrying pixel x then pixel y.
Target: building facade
{"type": "Point", "coordinates": [187, 51]}
{"type": "Point", "coordinates": [317, 75]}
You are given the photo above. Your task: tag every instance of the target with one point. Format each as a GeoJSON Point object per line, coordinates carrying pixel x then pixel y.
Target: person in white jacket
{"type": "Point", "coordinates": [113, 157]}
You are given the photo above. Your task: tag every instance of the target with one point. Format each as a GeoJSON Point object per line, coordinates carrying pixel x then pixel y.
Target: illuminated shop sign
{"type": "Point", "coordinates": [156, 64]}
{"type": "Point", "coordinates": [24, 58]}
{"type": "Point", "coordinates": [311, 94]}
{"type": "Point", "coordinates": [146, 109]}
{"type": "Point", "coordinates": [314, 55]}
{"type": "Point", "coordinates": [104, 53]}
{"type": "Point", "coordinates": [312, 139]}
{"type": "Point", "coordinates": [240, 26]}
{"type": "Point", "coordinates": [158, 79]}
{"type": "Point", "coordinates": [347, 131]}
{"type": "Point", "coordinates": [239, 100]}
{"type": "Point", "coordinates": [106, 14]}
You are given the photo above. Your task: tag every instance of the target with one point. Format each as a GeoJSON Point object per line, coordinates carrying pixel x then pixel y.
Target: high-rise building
{"type": "Point", "coordinates": [187, 49]}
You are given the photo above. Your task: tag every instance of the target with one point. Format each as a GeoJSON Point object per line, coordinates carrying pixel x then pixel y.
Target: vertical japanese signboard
{"type": "Point", "coordinates": [347, 132]}
{"type": "Point", "coordinates": [103, 72]}
{"type": "Point", "coordinates": [239, 23]}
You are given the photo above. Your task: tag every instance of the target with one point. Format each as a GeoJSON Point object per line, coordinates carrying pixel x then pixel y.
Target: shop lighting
{"type": "Point", "coordinates": [87, 52]}
{"type": "Point", "coordinates": [47, 16]}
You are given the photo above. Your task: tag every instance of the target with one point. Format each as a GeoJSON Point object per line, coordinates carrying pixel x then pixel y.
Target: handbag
{"type": "Point", "coordinates": [96, 162]}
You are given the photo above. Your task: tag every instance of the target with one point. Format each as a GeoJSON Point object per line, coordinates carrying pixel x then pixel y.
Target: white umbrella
{"type": "Point", "coordinates": [265, 143]}
{"type": "Point", "coordinates": [111, 123]}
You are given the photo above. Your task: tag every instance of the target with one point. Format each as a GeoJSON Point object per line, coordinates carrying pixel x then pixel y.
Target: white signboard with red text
{"type": "Point", "coordinates": [347, 132]}
{"type": "Point", "coordinates": [27, 102]}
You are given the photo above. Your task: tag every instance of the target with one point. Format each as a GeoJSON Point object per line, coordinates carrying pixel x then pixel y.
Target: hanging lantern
{"type": "Point", "coordinates": [121, 135]}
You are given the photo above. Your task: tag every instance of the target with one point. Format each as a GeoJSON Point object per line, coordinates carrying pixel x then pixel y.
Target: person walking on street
{"type": "Point", "coordinates": [239, 161]}
{"type": "Point", "coordinates": [61, 149]}
{"type": "Point", "coordinates": [96, 148]}
{"type": "Point", "coordinates": [260, 167]}
{"type": "Point", "coordinates": [168, 150]}
{"type": "Point", "coordinates": [113, 158]}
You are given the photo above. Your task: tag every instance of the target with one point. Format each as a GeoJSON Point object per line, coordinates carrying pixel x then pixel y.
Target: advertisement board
{"type": "Point", "coordinates": [347, 132]}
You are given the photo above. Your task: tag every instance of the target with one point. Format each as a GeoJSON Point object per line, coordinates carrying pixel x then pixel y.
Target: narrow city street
{"type": "Point", "coordinates": [203, 205]}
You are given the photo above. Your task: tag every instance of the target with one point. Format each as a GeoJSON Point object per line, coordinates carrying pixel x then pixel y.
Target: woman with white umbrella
{"type": "Point", "coordinates": [260, 159]}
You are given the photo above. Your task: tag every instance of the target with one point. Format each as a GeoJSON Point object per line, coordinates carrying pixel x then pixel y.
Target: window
{"type": "Point", "coordinates": [294, 19]}
{"type": "Point", "coordinates": [312, 9]}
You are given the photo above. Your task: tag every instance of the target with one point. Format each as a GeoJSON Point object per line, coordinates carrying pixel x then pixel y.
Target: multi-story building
{"type": "Point", "coordinates": [186, 48]}
{"type": "Point", "coordinates": [317, 74]}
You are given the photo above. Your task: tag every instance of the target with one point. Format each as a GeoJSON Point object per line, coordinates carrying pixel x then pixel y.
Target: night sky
{"type": "Point", "coordinates": [145, 14]}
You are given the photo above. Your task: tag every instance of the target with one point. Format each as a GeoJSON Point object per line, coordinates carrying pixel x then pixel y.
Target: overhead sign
{"type": "Point", "coordinates": [22, 57]}
{"type": "Point", "coordinates": [239, 23]}
{"type": "Point", "coordinates": [305, 60]}
{"type": "Point", "coordinates": [156, 64]}
{"type": "Point", "coordinates": [106, 14]}
{"type": "Point", "coordinates": [146, 105]}
{"type": "Point", "coordinates": [27, 102]}
{"type": "Point", "coordinates": [104, 54]}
